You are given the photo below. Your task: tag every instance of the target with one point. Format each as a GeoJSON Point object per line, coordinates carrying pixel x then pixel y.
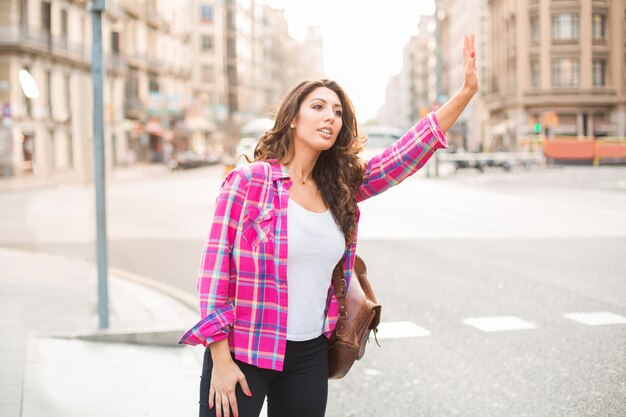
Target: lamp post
{"type": "Point", "coordinates": [96, 7]}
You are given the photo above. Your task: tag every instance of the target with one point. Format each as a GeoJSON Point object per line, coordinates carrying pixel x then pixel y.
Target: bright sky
{"type": "Point", "coordinates": [363, 41]}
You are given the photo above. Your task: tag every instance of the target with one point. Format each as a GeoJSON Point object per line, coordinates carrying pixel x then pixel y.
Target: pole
{"type": "Point", "coordinates": [96, 7]}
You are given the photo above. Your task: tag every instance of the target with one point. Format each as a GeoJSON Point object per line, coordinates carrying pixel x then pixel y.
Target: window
{"type": "Point", "coordinates": [53, 151]}
{"type": "Point", "coordinates": [598, 22]}
{"type": "Point", "coordinates": [565, 26]}
{"type": "Point", "coordinates": [64, 23]}
{"type": "Point", "coordinates": [599, 72]}
{"type": "Point", "coordinates": [68, 105]}
{"type": "Point", "coordinates": [207, 73]}
{"type": "Point", "coordinates": [535, 73]}
{"type": "Point", "coordinates": [207, 42]}
{"type": "Point", "coordinates": [534, 29]}
{"type": "Point", "coordinates": [115, 42]}
{"type": "Point", "coordinates": [153, 84]}
{"type": "Point", "coordinates": [206, 13]}
{"type": "Point", "coordinates": [49, 91]}
{"type": "Point", "coordinates": [45, 16]}
{"type": "Point", "coordinates": [565, 72]}
{"type": "Point", "coordinates": [24, 13]}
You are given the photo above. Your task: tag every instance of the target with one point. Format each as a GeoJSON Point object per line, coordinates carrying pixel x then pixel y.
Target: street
{"type": "Point", "coordinates": [490, 272]}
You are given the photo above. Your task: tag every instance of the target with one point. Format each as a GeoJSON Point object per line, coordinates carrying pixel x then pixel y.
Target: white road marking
{"type": "Point", "coordinates": [498, 323]}
{"type": "Point", "coordinates": [596, 318]}
{"type": "Point", "coordinates": [399, 329]}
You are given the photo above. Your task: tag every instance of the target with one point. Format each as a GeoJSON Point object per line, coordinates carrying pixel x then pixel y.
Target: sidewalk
{"type": "Point", "coordinates": [50, 364]}
{"type": "Point", "coordinates": [29, 182]}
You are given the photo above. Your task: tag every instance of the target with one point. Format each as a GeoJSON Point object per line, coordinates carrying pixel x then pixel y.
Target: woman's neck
{"type": "Point", "coordinates": [302, 164]}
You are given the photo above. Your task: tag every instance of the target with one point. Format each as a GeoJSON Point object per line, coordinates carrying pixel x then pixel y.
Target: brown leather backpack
{"type": "Point", "coordinates": [359, 314]}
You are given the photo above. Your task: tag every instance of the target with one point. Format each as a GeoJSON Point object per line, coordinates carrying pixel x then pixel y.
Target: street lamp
{"type": "Point", "coordinates": [28, 84]}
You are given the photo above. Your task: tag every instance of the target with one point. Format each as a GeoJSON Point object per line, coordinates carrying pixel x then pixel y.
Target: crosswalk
{"type": "Point", "coordinates": [491, 324]}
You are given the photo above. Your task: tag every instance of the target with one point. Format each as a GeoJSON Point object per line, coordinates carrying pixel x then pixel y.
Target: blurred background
{"type": "Point", "coordinates": [499, 265]}
{"type": "Point", "coordinates": [187, 79]}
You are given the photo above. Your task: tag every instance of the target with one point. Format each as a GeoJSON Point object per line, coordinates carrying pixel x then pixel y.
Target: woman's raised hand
{"type": "Point", "coordinates": [470, 77]}
{"type": "Point", "coordinates": [452, 109]}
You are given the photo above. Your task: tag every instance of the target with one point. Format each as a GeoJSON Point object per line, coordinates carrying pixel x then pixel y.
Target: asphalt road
{"type": "Point", "coordinates": [531, 246]}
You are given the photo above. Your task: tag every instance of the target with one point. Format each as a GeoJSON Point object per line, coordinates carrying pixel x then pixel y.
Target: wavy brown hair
{"type": "Point", "coordinates": [338, 171]}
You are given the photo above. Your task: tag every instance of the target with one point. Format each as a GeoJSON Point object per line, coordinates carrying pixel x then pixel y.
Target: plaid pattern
{"type": "Point", "coordinates": [243, 275]}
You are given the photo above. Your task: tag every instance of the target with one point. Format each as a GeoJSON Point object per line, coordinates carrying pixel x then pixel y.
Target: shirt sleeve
{"type": "Point", "coordinates": [402, 158]}
{"type": "Point", "coordinates": [218, 315]}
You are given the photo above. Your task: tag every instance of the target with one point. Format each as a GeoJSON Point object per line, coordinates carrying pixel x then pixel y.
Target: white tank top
{"type": "Point", "coordinates": [315, 245]}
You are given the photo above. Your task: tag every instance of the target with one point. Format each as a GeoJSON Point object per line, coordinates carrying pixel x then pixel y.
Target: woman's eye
{"type": "Point", "coordinates": [317, 106]}
{"type": "Point", "coordinates": [338, 113]}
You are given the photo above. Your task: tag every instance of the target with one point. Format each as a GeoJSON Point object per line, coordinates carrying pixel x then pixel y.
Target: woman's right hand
{"type": "Point", "coordinates": [224, 378]}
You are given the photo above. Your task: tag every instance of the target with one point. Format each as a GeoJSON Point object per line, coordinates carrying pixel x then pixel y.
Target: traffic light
{"type": "Point", "coordinates": [537, 128]}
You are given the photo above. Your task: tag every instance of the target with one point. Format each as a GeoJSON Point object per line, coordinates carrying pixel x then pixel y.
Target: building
{"type": "Point", "coordinates": [209, 109]}
{"type": "Point", "coordinates": [145, 84]}
{"type": "Point", "coordinates": [49, 133]}
{"type": "Point", "coordinates": [412, 93]}
{"type": "Point", "coordinates": [557, 68]}
{"type": "Point", "coordinates": [151, 40]}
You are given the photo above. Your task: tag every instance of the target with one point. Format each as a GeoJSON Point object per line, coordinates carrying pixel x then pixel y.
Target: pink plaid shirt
{"type": "Point", "coordinates": [243, 275]}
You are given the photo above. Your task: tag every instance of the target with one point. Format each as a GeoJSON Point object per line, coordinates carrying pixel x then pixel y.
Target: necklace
{"type": "Point", "coordinates": [302, 180]}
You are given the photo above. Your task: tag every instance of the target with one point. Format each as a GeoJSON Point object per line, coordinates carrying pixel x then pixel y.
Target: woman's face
{"type": "Point", "coordinates": [318, 121]}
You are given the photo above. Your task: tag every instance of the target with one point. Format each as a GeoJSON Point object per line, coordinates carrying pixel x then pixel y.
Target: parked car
{"type": "Point", "coordinates": [190, 159]}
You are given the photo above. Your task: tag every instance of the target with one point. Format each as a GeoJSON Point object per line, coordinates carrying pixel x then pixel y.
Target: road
{"type": "Point", "coordinates": [522, 251]}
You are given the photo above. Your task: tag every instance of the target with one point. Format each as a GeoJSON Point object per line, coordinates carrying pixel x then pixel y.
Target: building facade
{"type": "Point", "coordinates": [557, 68]}
{"type": "Point", "coordinates": [412, 93]}
{"type": "Point", "coordinates": [48, 133]}
{"type": "Point", "coordinates": [145, 84]}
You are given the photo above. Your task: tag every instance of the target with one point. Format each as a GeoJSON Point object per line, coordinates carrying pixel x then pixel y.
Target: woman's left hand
{"type": "Point", "coordinates": [470, 77]}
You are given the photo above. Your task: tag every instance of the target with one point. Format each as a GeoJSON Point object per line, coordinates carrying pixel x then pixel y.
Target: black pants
{"type": "Point", "coordinates": [300, 389]}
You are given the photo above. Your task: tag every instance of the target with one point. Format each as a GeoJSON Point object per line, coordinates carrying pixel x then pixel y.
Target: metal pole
{"type": "Point", "coordinates": [96, 7]}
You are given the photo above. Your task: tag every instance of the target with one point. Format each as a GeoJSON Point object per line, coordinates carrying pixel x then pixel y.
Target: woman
{"type": "Point", "coordinates": [281, 225]}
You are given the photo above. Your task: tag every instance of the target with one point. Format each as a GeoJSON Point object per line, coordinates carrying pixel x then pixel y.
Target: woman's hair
{"type": "Point", "coordinates": [339, 170]}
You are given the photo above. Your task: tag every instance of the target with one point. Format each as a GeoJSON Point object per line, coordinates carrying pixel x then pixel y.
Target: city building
{"type": "Point", "coordinates": [557, 68]}
{"type": "Point", "coordinates": [245, 61]}
{"type": "Point", "coordinates": [145, 58]}
{"type": "Point", "coordinates": [412, 93]}
{"type": "Point", "coordinates": [151, 41]}
{"type": "Point", "coordinates": [209, 109]}
{"type": "Point", "coordinates": [46, 44]}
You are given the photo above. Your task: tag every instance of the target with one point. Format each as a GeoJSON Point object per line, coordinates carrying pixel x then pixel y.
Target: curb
{"type": "Point", "coordinates": [184, 298]}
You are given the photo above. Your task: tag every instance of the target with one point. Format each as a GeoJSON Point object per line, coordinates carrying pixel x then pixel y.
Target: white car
{"type": "Point", "coordinates": [378, 138]}
{"type": "Point", "coordinates": [245, 147]}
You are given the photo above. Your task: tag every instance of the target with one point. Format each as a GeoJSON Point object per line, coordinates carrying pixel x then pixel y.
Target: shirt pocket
{"type": "Point", "coordinates": [258, 226]}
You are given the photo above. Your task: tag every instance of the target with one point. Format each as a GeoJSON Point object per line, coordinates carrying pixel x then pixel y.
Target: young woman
{"type": "Point", "coordinates": [281, 224]}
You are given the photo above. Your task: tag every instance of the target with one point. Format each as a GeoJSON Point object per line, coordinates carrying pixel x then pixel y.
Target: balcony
{"type": "Point", "coordinates": [115, 62]}
{"type": "Point", "coordinates": [42, 42]}
{"type": "Point", "coordinates": [134, 8]}
{"type": "Point", "coordinates": [62, 46]}
{"type": "Point", "coordinates": [567, 95]}
{"type": "Point", "coordinates": [114, 9]}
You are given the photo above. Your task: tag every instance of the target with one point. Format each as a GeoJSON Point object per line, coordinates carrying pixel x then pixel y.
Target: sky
{"type": "Point", "coordinates": [363, 41]}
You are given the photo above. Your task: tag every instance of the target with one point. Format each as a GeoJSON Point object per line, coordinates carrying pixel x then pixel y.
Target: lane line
{"type": "Point", "coordinates": [498, 323]}
{"type": "Point", "coordinates": [596, 318]}
{"type": "Point", "coordinates": [400, 329]}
